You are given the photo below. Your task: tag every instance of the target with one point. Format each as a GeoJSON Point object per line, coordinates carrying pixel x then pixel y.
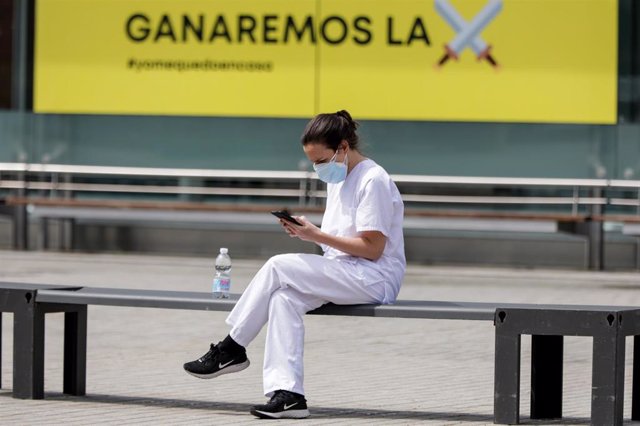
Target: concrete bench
{"type": "Point", "coordinates": [546, 323]}
{"type": "Point", "coordinates": [72, 212]}
{"type": "Point", "coordinates": [630, 224]}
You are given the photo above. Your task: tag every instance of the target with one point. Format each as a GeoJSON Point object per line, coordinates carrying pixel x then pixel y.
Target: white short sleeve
{"type": "Point", "coordinates": [375, 209]}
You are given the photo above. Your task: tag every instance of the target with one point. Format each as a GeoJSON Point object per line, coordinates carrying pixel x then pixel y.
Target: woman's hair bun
{"type": "Point", "coordinates": [345, 114]}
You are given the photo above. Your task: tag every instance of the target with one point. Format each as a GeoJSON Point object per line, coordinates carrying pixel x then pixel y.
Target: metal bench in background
{"type": "Point", "coordinates": [546, 323]}
{"type": "Point", "coordinates": [120, 195]}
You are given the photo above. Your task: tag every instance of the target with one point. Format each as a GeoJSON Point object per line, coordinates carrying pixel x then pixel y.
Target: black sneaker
{"type": "Point", "coordinates": [216, 363]}
{"type": "Point", "coordinates": [283, 405]}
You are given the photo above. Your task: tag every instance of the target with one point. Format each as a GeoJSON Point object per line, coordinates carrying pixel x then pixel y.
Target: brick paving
{"type": "Point", "coordinates": [358, 370]}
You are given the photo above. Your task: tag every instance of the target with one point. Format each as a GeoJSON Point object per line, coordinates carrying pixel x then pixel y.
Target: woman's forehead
{"type": "Point", "coordinates": [317, 151]}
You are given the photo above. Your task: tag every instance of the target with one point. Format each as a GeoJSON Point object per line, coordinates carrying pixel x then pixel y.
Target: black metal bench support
{"type": "Point", "coordinates": [29, 339]}
{"type": "Point", "coordinates": [607, 396]}
{"type": "Point", "coordinates": [546, 376]}
{"type": "Point", "coordinates": [75, 351]}
{"type": "Point", "coordinates": [547, 326]}
{"type": "Point", "coordinates": [635, 401]}
{"type": "Point", "coordinates": [507, 378]}
{"type": "Point", "coordinates": [28, 350]}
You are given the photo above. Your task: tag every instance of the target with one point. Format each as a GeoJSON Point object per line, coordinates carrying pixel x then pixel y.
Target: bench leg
{"type": "Point", "coordinates": [507, 378]}
{"type": "Point", "coordinates": [75, 352]}
{"type": "Point", "coordinates": [607, 396]}
{"type": "Point", "coordinates": [20, 228]}
{"type": "Point", "coordinates": [0, 350]}
{"type": "Point", "coordinates": [44, 234]}
{"type": "Point", "coordinates": [28, 351]}
{"type": "Point", "coordinates": [72, 234]}
{"type": "Point", "coordinates": [635, 401]}
{"type": "Point", "coordinates": [546, 376]}
{"type": "Point", "coordinates": [593, 230]}
{"type": "Point", "coordinates": [67, 235]}
{"type": "Point", "coordinates": [62, 234]}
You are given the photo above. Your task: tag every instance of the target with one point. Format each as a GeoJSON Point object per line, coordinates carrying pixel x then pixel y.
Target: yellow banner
{"type": "Point", "coordinates": [462, 60]}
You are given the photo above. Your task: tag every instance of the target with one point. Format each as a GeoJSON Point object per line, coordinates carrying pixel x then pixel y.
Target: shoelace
{"type": "Point", "coordinates": [279, 396]}
{"type": "Point", "coordinates": [213, 351]}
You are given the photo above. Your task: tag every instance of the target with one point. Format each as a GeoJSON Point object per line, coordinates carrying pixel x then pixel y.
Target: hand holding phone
{"type": "Point", "coordinates": [284, 214]}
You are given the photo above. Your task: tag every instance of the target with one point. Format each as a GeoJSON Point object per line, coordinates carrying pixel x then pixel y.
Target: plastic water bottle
{"type": "Point", "coordinates": [222, 280]}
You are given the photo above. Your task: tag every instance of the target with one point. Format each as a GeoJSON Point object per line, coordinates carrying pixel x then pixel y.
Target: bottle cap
{"type": "Point", "coordinates": [224, 250]}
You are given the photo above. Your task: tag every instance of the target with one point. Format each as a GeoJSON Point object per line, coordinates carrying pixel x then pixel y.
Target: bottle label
{"type": "Point", "coordinates": [221, 285]}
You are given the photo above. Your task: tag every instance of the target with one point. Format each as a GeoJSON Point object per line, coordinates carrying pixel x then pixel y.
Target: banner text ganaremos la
{"type": "Point", "coordinates": [270, 29]}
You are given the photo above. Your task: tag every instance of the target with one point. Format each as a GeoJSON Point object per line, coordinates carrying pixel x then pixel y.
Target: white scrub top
{"type": "Point", "coordinates": [368, 200]}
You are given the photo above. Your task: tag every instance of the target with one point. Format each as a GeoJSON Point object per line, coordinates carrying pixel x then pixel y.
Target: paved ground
{"type": "Point", "coordinates": [358, 370]}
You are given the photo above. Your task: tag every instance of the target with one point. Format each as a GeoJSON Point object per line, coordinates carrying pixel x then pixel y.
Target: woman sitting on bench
{"type": "Point", "coordinates": [363, 262]}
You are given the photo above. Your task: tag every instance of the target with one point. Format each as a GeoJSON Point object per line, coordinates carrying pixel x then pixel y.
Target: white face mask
{"type": "Point", "coordinates": [332, 172]}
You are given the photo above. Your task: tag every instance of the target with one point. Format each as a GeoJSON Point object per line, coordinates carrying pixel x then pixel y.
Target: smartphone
{"type": "Point", "coordinates": [283, 214]}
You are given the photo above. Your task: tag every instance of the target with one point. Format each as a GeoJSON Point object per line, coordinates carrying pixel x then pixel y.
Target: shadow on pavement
{"type": "Point", "coordinates": [316, 412]}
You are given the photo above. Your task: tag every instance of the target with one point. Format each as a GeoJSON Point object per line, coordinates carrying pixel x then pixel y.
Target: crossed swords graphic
{"type": "Point", "coordinates": [468, 33]}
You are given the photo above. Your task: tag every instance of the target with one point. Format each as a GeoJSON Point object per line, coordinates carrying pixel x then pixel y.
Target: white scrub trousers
{"type": "Point", "coordinates": [284, 289]}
